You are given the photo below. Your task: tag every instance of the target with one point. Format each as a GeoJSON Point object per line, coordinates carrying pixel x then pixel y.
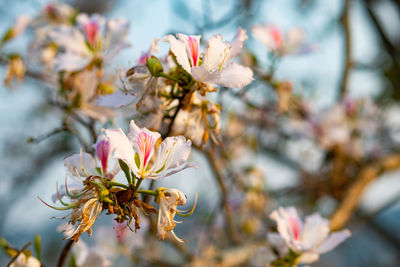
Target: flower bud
{"type": "Point", "coordinates": [103, 149]}
{"type": "Point", "coordinates": [154, 66]}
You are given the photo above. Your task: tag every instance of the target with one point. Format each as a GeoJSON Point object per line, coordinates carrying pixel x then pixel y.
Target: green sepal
{"type": "Point", "coordinates": [126, 170]}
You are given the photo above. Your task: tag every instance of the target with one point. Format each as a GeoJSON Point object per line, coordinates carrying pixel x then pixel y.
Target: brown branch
{"type": "Point", "coordinates": [390, 48]}
{"type": "Point", "coordinates": [64, 253]}
{"type": "Point", "coordinates": [352, 197]}
{"type": "Point", "coordinates": [233, 234]}
{"type": "Point", "coordinates": [345, 21]}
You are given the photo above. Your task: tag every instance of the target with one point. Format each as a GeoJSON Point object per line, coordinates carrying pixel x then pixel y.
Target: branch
{"type": "Point", "coordinates": [354, 193]}
{"type": "Point", "coordinates": [64, 253]}
{"type": "Point", "coordinates": [345, 21]}
{"type": "Point", "coordinates": [233, 234]}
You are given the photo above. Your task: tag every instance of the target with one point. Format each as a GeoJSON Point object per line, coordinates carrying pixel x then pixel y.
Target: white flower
{"type": "Point", "coordinates": [200, 121]}
{"type": "Point", "coordinates": [146, 159]}
{"type": "Point", "coordinates": [215, 67]}
{"type": "Point", "coordinates": [25, 261]}
{"type": "Point", "coordinates": [309, 239]}
{"type": "Point", "coordinates": [168, 198]}
{"type": "Point", "coordinates": [92, 39]}
{"type": "Point", "coordinates": [84, 91]}
{"type": "Point", "coordinates": [294, 42]}
{"type": "Point", "coordinates": [89, 257]}
{"type": "Point", "coordinates": [139, 83]}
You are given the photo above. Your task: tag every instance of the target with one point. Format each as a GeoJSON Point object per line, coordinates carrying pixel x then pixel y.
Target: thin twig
{"type": "Point", "coordinates": [18, 253]}
{"type": "Point", "coordinates": [345, 20]}
{"type": "Point", "coordinates": [233, 234]}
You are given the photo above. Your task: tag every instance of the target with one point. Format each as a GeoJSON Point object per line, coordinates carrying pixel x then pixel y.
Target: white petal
{"type": "Point", "coordinates": [178, 48]}
{"type": "Point", "coordinates": [294, 38]}
{"type": "Point", "coordinates": [82, 19]}
{"type": "Point", "coordinates": [171, 157]}
{"type": "Point", "coordinates": [333, 240]}
{"type": "Point", "coordinates": [71, 39]}
{"type": "Point", "coordinates": [315, 230]}
{"type": "Point", "coordinates": [115, 100]}
{"type": "Point", "coordinates": [263, 34]}
{"type": "Point", "coordinates": [122, 147]}
{"type": "Point", "coordinates": [97, 112]}
{"type": "Point", "coordinates": [278, 243]}
{"type": "Point", "coordinates": [114, 50]}
{"type": "Point", "coordinates": [216, 53]}
{"type": "Point", "coordinates": [238, 42]}
{"type": "Point", "coordinates": [76, 162]}
{"type": "Point", "coordinates": [282, 217]}
{"type": "Point", "coordinates": [235, 76]}
{"type": "Point", "coordinates": [193, 55]}
{"type": "Point", "coordinates": [70, 62]}
{"type": "Point", "coordinates": [201, 74]}
{"type": "Point", "coordinates": [134, 131]}
{"type": "Point", "coordinates": [117, 29]}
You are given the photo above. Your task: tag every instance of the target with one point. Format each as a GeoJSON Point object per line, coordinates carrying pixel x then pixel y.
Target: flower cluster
{"type": "Point", "coordinates": [200, 94]}
{"type": "Point", "coordinates": [141, 156]}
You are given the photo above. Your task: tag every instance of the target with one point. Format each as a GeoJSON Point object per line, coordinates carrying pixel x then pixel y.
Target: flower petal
{"type": "Point", "coordinates": [117, 30]}
{"type": "Point", "coordinates": [235, 76]}
{"type": "Point", "coordinates": [333, 240]}
{"type": "Point", "coordinates": [122, 147]}
{"type": "Point", "coordinates": [283, 218]}
{"type": "Point", "coordinates": [216, 53]}
{"type": "Point", "coordinates": [268, 35]}
{"type": "Point", "coordinates": [171, 157]}
{"type": "Point", "coordinates": [115, 100]}
{"type": "Point", "coordinates": [70, 39]}
{"type": "Point", "coordinates": [78, 161]}
{"type": "Point", "coordinates": [192, 44]}
{"type": "Point", "coordinates": [201, 74]}
{"type": "Point", "coordinates": [70, 62]}
{"type": "Point", "coordinates": [294, 38]}
{"type": "Point", "coordinates": [178, 48]}
{"type": "Point", "coordinates": [315, 230]}
{"type": "Point", "coordinates": [238, 42]}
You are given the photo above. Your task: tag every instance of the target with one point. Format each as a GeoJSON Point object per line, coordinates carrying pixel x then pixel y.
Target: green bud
{"type": "Point", "coordinates": [37, 246]}
{"type": "Point", "coordinates": [154, 66]}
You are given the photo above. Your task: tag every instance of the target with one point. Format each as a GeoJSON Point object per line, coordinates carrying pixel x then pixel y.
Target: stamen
{"type": "Point", "coordinates": [59, 197]}
{"type": "Point", "coordinates": [70, 194]}
{"type": "Point", "coordinates": [190, 210]}
{"type": "Point", "coordinates": [71, 206]}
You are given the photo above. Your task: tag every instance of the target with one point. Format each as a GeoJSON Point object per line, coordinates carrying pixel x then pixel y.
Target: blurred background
{"type": "Point", "coordinates": [358, 43]}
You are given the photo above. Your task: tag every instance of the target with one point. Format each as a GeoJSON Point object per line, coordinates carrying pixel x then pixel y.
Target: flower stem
{"type": "Point", "coordinates": [164, 75]}
{"type": "Point", "coordinates": [148, 192]}
{"type": "Point", "coordinates": [140, 180]}
{"type": "Point", "coordinates": [117, 184]}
